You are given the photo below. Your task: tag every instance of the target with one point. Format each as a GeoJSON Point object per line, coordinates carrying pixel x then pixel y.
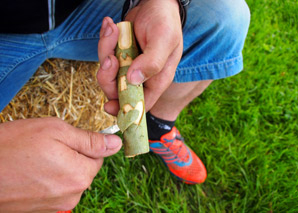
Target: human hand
{"type": "Point", "coordinates": [158, 31]}
{"type": "Point", "coordinates": [46, 164]}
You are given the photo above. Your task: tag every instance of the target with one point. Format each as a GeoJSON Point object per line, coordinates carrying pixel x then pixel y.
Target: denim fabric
{"type": "Point", "coordinates": [214, 35]}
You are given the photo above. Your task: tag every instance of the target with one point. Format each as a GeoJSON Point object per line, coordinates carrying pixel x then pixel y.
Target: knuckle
{"type": "Point", "coordinates": [103, 85]}
{"type": "Point", "coordinates": [156, 66]}
{"type": "Point", "coordinates": [172, 33]}
{"type": "Point", "coordinates": [82, 183]}
{"type": "Point", "coordinates": [56, 122]}
{"type": "Point", "coordinates": [100, 78]}
{"type": "Point", "coordinates": [93, 143]}
{"type": "Point", "coordinates": [53, 124]}
{"type": "Point", "coordinates": [71, 203]}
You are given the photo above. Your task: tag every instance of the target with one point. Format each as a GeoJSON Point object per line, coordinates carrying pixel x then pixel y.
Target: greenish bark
{"type": "Point", "coordinates": [131, 118]}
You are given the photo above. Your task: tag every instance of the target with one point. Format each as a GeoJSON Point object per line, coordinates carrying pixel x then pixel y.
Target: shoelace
{"type": "Point", "coordinates": [178, 142]}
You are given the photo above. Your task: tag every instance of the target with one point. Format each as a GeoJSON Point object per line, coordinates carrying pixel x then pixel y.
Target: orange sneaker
{"type": "Point", "coordinates": [179, 158]}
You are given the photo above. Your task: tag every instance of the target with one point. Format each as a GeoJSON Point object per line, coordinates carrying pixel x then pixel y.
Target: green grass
{"type": "Point", "coordinates": [244, 128]}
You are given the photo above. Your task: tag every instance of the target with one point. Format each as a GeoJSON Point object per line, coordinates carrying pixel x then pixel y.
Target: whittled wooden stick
{"type": "Point", "coordinates": [131, 118]}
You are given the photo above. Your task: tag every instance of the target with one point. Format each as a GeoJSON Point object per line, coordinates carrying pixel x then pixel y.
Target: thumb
{"type": "Point", "coordinates": [92, 144]}
{"type": "Point", "coordinates": [156, 53]}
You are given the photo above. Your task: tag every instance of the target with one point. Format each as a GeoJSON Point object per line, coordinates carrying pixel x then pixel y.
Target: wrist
{"type": "Point", "coordinates": [130, 4]}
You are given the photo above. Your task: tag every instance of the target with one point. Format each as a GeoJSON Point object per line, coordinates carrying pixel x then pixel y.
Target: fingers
{"type": "Point", "coordinates": [155, 86]}
{"type": "Point", "coordinates": [109, 65]}
{"type": "Point", "coordinates": [91, 144]}
{"type": "Point", "coordinates": [63, 159]}
{"type": "Point", "coordinates": [156, 52]}
{"type": "Point", "coordinates": [152, 92]}
{"type": "Point", "coordinates": [112, 107]}
{"type": "Point", "coordinates": [108, 39]}
{"type": "Point", "coordinates": [107, 77]}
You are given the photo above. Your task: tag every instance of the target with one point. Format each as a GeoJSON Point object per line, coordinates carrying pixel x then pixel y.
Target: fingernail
{"type": "Point", "coordinates": [112, 141]}
{"type": "Point", "coordinates": [137, 77]}
{"type": "Point", "coordinates": [108, 31]}
{"type": "Point", "coordinates": [104, 23]}
{"type": "Point", "coordinates": [106, 63]}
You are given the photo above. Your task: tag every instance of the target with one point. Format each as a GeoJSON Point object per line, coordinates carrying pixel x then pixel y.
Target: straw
{"type": "Point", "coordinates": [65, 89]}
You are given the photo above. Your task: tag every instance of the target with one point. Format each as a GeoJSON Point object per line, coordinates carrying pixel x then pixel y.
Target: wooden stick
{"type": "Point", "coordinates": [131, 118]}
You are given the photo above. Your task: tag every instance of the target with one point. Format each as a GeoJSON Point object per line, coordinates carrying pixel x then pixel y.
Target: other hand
{"type": "Point", "coordinates": [46, 164]}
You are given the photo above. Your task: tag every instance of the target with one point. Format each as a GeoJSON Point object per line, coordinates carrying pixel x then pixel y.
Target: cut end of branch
{"type": "Point", "coordinates": [134, 155]}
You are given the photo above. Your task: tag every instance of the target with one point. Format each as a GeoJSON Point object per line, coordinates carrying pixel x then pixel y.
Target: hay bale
{"type": "Point", "coordinates": [65, 89]}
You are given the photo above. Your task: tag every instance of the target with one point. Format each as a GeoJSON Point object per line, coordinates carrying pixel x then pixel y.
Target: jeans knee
{"type": "Point", "coordinates": [232, 18]}
{"type": "Point", "coordinates": [219, 15]}
{"type": "Point", "coordinates": [221, 23]}
{"type": "Point", "coordinates": [218, 18]}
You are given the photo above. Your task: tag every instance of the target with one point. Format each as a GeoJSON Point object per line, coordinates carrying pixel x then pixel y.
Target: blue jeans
{"type": "Point", "coordinates": [214, 36]}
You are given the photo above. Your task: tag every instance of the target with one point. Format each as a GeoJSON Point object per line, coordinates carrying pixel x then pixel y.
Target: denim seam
{"type": "Point", "coordinates": [213, 65]}
{"type": "Point", "coordinates": [45, 44]}
{"type": "Point", "coordinates": [213, 71]}
{"type": "Point", "coordinates": [65, 40]}
{"type": "Point", "coordinates": [12, 67]}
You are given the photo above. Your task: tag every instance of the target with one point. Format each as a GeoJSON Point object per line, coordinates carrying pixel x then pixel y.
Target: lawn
{"type": "Point", "coordinates": [244, 128]}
